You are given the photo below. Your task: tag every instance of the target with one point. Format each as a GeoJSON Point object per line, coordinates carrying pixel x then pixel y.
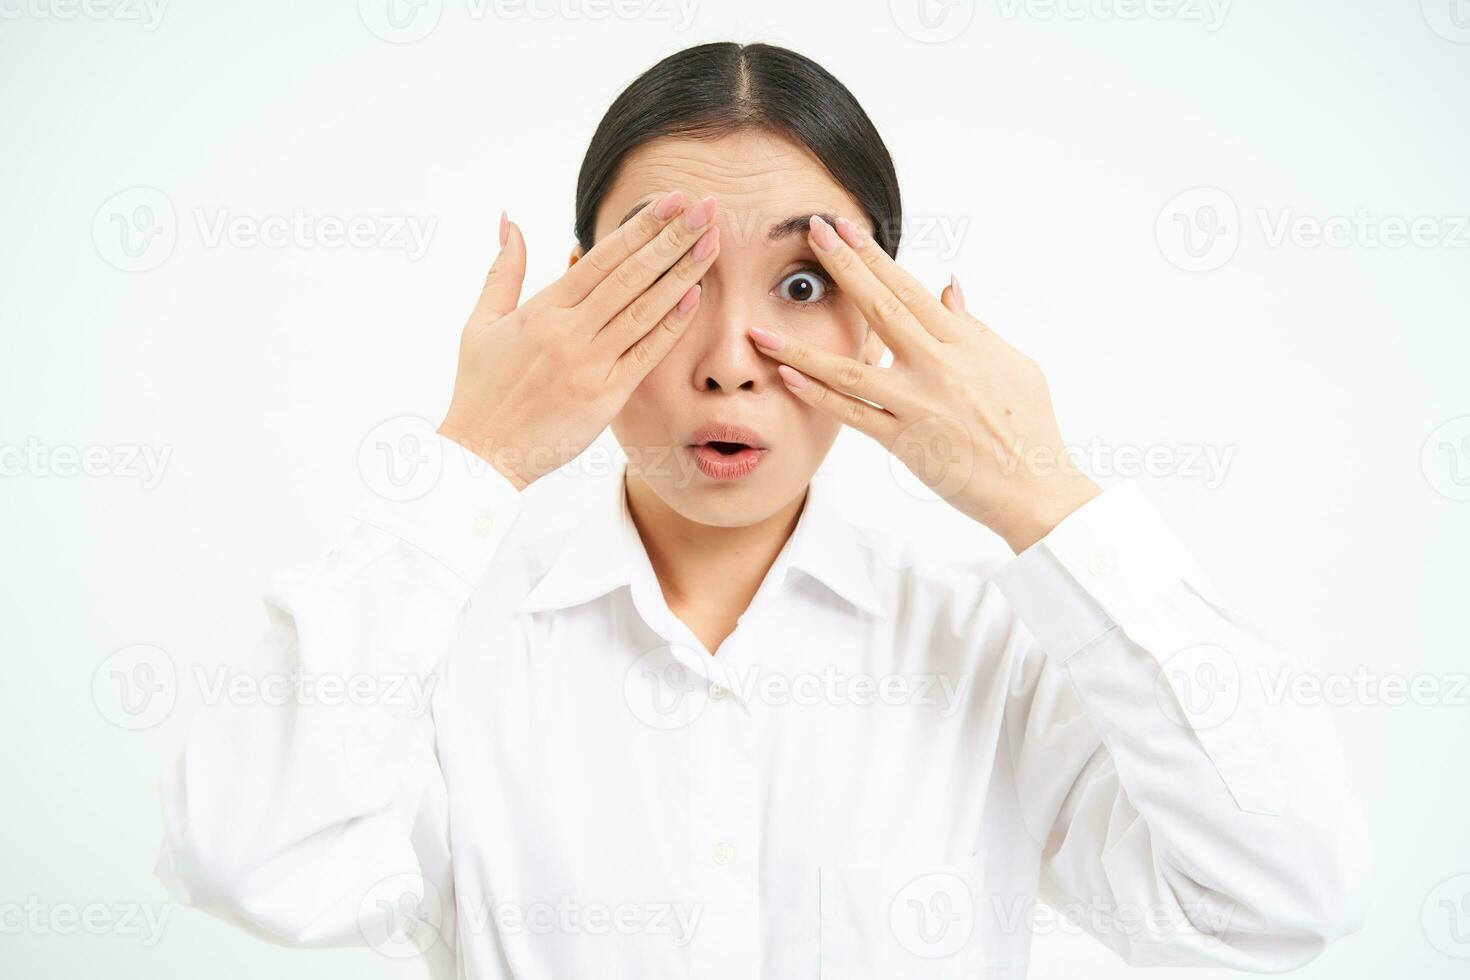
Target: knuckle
{"type": "Point", "coordinates": [854, 412]}
{"type": "Point", "coordinates": [630, 274]}
{"type": "Point", "coordinates": [842, 260]}
{"type": "Point", "coordinates": [851, 376]}
{"type": "Point", "coordinates": [888, 307]}
{"type": "Point", "coordinates": [641, 311]}
{"type": "Point", "coordinates": [908, 293]}
{"type": "Point", "coordinates": [641, 354]}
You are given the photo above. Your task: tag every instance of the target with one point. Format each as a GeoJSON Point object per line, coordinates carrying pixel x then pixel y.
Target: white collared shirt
{"type": "Point", "coordinates": [533, 769]}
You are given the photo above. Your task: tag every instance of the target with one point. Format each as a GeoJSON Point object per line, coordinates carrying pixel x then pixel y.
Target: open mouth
{"type": "Point", "coordinates": [727, 448]}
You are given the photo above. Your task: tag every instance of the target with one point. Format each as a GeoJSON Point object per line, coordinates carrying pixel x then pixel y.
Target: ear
{"type": "Point", "coordinates": [873, 347]}
{"type": "Point", "coordinates": [576, 254]}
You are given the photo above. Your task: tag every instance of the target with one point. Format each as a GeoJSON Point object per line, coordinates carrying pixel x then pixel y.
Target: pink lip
{"type": "Point", "coordinates": [719, 466]}
{"type": "Point", "coordinates": [727, 432]}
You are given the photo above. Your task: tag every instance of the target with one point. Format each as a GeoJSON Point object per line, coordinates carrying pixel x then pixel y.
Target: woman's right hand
{"type": "Point", "coordinates": [537, 382]}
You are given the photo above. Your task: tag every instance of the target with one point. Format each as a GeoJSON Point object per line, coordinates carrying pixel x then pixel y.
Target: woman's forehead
{"type": "Point", "coordinates": [758, 178]}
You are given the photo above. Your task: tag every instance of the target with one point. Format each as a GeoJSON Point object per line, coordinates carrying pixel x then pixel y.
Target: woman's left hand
{"type": "Point", "coordinates": [969, 414]}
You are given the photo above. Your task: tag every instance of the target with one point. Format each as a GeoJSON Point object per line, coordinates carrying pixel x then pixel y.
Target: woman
{"type": "Point", "coordinates": [714, 730]}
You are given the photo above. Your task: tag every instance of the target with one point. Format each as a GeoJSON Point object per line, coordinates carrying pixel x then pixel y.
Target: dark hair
{"type": "Point", "coordinates": [711, 90]}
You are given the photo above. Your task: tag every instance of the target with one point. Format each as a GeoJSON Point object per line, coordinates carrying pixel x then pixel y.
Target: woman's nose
{"type": "Point", "coordinates": [728, 359]}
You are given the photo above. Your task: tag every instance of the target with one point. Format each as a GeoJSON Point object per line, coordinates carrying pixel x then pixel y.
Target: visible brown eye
{"type": "Point", "coordinates": [803, 287]}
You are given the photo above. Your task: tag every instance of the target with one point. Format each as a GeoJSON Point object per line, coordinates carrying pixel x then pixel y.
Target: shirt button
{"type": "Point", "coordinates": [724, 852]}
{"type": "Point", "coordinates": [1102, 563]}
{"type": "Point", "coordinates": [718, 692]}
{"type": "Point", "coordinates": [483, 524]}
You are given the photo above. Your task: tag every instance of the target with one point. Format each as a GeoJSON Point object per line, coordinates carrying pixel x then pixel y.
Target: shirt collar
{"type": "Point", "coordinates": [603, 550]}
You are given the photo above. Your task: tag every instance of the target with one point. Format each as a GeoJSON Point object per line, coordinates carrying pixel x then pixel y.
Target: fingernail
{"type": "Point", "coordinates": [700, 214]}
{"type": "Point", "coordinates": [825, 237]}
{"type": "Point", "coordinates": [959, 294]}
{"type": "Point", "coordinates": [665, 208]}
{"type": "Point", "coordinates": [686, 303]}
{"type": "Point", "coordinates": [792, 376]}
{"type": "Point", "coordinates": [768, 339]}
{"type": "Point", "coordinates": [705, 245]}
{"type": "Point", "coordinates": [504, 229]}
{"type": "Point", "coordinates": [851, 232]}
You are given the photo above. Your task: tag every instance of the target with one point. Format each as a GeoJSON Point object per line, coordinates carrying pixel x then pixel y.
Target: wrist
{"type": "Point", "coordinates": [1033, 517]}
{"type": "Point", "coordinates": [485, 449]}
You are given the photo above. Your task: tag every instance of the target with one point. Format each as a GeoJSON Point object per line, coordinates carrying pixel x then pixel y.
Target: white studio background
{"type": "Point", "coordinates": [1128, 192]}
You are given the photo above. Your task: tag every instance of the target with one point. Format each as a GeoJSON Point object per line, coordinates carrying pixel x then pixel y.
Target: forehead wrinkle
{"type": "Point", "coordinates": [758, 182]}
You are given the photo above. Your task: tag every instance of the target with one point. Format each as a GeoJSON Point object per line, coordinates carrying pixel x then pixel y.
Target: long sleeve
{"type": "Point", "coordinates": [296, 816]}
{"type": "Point", "coordinates": [1194, 811]}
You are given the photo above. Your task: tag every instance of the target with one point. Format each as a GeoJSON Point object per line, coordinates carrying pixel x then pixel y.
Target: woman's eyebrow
{"type": "Point", "coordinates": [794, 225]}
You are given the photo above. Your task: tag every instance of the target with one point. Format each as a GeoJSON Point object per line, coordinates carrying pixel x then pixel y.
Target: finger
{"type": "Point", "coordinates": [579, 281]}
{"type": "Point", "coordinates": [885, 314]}
{"type": "Point", "coordinates": [639, 271]}
{"type": "Point", "coordinates": [928, 310]}
{"type": "Point", "coordinates": [953, 297]}
{"type": "Point", "coordinates": [644, 313]}
{"type": "Point", "coordinates": [633, 366]}
{"type": "Point", "coordinates": [869, 419]}
{"type": "Point", "coordinates": [842, 374]}
{"type": "Point", "coordinates": [502, 291]}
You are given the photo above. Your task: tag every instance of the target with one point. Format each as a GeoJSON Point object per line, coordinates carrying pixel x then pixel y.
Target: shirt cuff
{"type": "Point", "coordinates": [1112, 561]}
{"type": "Point", "coordinates": [458, 512]}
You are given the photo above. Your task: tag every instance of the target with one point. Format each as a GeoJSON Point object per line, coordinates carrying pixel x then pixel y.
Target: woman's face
{"type": "Point", "coordinates": [765, 275]}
